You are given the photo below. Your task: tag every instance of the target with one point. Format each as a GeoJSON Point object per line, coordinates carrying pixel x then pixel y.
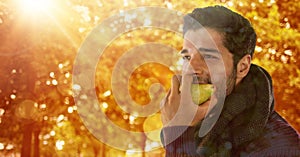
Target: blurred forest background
{"type": "Point", "coordinates": [39, 41]}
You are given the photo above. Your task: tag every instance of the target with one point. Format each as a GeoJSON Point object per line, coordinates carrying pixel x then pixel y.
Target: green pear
{"type": "Point", "coordinates": [201, 92]}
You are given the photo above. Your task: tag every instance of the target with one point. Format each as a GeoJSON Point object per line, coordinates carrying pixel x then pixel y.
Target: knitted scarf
{"type": "Point", "coordinates": [243, 118]}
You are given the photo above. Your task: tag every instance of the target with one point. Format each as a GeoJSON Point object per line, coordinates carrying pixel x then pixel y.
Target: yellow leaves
{"type": "Point", "coordinates": [152, 126]}
{"type": "Point", "coordinates": [27, 109]}
{"type": "Point", "coordinates": [145, 76]}
{"type": "Point", "coordinates": [294, 78]}
{"type": "Point", "coordinates": [51, 45]}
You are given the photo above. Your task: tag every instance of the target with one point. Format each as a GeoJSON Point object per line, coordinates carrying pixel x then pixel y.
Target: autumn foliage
{"type": "Point", "coordinates": [38, 49]}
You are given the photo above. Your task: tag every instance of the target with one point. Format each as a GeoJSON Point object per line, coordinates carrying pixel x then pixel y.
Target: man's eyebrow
{"type": "Point", "coordinates": [207, 50]}
{"type": "Point", "coordinates": [201, 49]}
{"type": "Point", "coordinates": [183, 51]}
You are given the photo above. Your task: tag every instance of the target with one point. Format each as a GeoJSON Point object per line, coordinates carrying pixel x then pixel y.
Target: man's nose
{"type": "Point", "coordinates": [197, 62]}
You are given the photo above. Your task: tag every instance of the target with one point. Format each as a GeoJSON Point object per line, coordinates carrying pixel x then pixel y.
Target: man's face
{"type": "Point", "coordinates": [207, 59]}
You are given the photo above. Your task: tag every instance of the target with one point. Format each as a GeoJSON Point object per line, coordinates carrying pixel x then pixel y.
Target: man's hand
{"type": "Point", "coordinates": [177, 108]}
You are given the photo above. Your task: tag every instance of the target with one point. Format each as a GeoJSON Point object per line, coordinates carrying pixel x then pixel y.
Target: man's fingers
{"type": "Point", "coordinates": [165, 99]}
{"type": "Point", "coordinates": [175, 84]}
{"type": "Point", "coordinates": [169, 105]}
{"type": "Point", "coordinates": [186, 87]}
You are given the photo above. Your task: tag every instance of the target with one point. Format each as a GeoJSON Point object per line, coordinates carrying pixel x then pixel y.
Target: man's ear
{"type": "Point", "coordinates": [243, 67]}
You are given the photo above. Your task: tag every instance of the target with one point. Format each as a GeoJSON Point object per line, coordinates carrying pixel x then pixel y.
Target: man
{"type": "Point", "coordinates": [239, 118]}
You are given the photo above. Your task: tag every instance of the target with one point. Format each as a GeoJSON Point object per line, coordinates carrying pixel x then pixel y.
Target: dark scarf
{"type": "Point", "coordinates": [245, 113]}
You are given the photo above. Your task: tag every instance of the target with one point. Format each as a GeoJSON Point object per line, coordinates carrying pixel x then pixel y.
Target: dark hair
{"type": "Point", "coordinates": [238, 34]}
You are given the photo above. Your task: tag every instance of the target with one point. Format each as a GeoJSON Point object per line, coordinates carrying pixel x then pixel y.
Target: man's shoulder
{"type": "Point", "coordinates": [277, 125]}
{"type": "Point", "coordinates": [279, 139]}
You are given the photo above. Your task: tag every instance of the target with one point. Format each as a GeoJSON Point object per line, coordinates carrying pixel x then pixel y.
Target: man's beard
{"type": "Point", "coordinates": [230, 82]}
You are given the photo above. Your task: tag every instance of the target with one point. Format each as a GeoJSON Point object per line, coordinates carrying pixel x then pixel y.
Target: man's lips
{"type": "Point", "coordinates": [200, 80]}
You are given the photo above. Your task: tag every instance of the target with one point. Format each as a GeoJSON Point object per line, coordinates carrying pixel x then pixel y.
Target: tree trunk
{"type": "Point", "coordinates": [96, 151]}
{"type": "Point", "coordinates": [36, 142]}
{"type": "Point", "coordinates": [27, 137]}
{"type": "Point", "coordinates": [143, 144]}
{"type": "Point", "coordinates": [103, 150]}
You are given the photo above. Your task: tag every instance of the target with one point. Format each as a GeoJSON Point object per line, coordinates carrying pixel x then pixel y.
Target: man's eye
{"type": "Point", "coordinates": [186, 57]}
{"type": "Point", "coordinates": [210, 57]}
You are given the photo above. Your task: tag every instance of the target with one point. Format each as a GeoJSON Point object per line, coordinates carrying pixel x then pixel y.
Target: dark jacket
{"type": "Point", "coordinates": [248, 126]}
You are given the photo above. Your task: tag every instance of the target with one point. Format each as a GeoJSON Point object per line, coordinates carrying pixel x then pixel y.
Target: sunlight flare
{"type": "Point", "coordinates": [35, 6]}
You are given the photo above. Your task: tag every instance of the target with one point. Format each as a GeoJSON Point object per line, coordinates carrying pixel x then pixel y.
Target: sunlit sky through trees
{"type": "Point", "coordinates": [40, 41]}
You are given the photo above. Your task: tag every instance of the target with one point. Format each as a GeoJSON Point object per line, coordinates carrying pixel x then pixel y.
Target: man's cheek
{"type": "Point", "coordinates": [186, 67]}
